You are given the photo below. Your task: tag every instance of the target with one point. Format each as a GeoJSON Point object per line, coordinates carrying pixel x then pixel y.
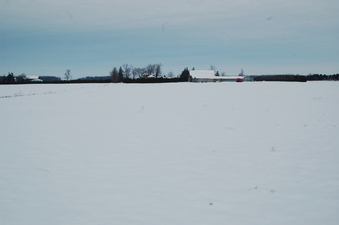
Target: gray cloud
{"type": "Point", "coordinates": [214, 16]}
{"type": "Point", "coordinates": [243, 28]}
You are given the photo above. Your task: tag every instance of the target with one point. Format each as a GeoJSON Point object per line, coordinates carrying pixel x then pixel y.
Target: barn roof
{"type": "Point", "coordinates": [209, 74]}
{"type": "Point", "coordinates": [202, 73]}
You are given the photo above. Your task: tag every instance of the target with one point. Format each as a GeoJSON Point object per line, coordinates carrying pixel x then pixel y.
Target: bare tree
{"type": "Point", "coordinates": [68, 75]}
{"type": "Point", "coordinates": [138, 72]}
{"type": "Point", "coordinates": [134, 72]}
{"type": "Point", "coordinates": [170, 74]}
{"type": "Point", "coordinates": [241, 73]}
{"type": "Point", "coordinates": [143, 72]}
{"type": "Point", "coordinates": [150, 69]}
{"type": "Point", "coordinates": [127, 70]}
{"type": "Point", "coordinates": [213, 68]}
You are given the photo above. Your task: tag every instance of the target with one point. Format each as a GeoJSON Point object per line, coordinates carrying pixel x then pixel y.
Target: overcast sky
{"type": "Point", "coordinates": [40, 37]}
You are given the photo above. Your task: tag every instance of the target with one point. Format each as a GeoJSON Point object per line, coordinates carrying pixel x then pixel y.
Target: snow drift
{"type": "Point", "coordinates": [219, 153]}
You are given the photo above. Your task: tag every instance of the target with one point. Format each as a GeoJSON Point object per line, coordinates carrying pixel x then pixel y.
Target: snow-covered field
{"type": "Point", "coordinates": [214, 153]}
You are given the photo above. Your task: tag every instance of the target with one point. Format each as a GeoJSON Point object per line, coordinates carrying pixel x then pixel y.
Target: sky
{"type": "Point", "coordinates": [39, 37]}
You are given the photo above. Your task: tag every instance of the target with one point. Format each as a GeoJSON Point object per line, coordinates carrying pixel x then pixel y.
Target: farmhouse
{"type": "Point", "coordinates": [201, 76]}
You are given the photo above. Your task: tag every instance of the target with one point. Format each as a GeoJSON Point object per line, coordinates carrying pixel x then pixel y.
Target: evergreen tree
{"type": "Point", "coordinates": [185, 75]}
{"type": "Point", "coordinates": [10, 78]}
{"type": "Point", "coordinates": [157, 70]}
{"type": "Point", "coordinates": [114, 75]}
{"type": "Point", "coordinates": [121, 75]}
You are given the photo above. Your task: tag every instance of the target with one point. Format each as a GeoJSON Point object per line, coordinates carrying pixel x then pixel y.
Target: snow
{"type": "Point", "coordinates": [185, 153]}
{"type": "Point", "coordinates": [208, 75]}
{"type": "Point", "coordinates": [202, 74]}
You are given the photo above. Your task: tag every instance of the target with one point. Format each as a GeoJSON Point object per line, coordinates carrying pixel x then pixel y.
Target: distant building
{"type": "Point", "coordinates": [248, 78]}
{"type": "Point", "coordinates": [49, 78]}
{"type": "Point", "coordinates": [32, 79]}
{"type": "Point", "coordinates": [202, 76]}
{"type": "Point", "coordinates": [148, 76]}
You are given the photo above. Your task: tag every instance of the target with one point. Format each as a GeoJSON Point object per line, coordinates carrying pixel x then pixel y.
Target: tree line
{"type": "Point", "coordinates": [127, 72]}
{"type": "Point", "coordinates": [296, 78]}
{"type": "Point", "coordinates": [23, 79]}
{"type": "Point", "coordinates": [293, 78]}
{"type": "Point", "coordinates": [322, 77]}
{"type": "Point", "coordinates": [152, 73]}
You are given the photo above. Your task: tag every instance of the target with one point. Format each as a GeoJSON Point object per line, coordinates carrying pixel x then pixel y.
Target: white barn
{"type": "Point", "coordinates": [32, 79]}
{"type": "Point", "coordinates": [201, 76]}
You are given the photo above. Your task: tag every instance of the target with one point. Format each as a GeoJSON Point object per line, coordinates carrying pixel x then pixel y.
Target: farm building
{"type": "Point", "coordinates": [201, 76]}
{"type": "Point", "coordinates": [32, 79]}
